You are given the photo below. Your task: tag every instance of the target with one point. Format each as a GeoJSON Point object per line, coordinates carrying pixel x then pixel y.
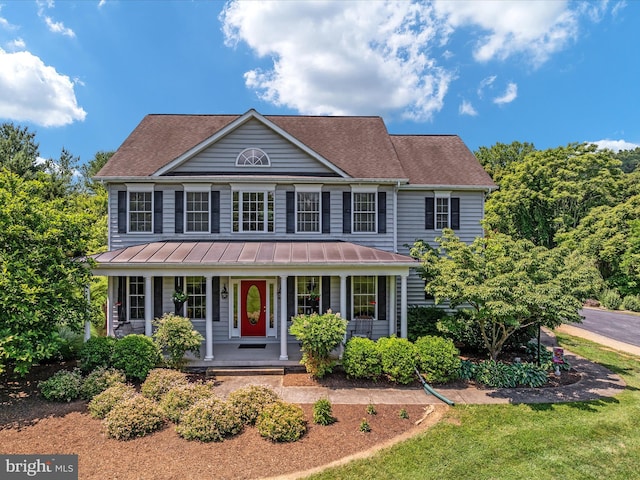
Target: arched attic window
{"type": "Point", "coordinates": [253, 157]}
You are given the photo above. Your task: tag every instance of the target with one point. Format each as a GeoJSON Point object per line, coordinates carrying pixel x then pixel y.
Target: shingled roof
{"type": "Point", "coordinates": [359, 146]}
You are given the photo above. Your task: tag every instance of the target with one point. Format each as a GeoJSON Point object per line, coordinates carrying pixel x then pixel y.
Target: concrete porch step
{"type": "Point", "coordinates": [241, 371]}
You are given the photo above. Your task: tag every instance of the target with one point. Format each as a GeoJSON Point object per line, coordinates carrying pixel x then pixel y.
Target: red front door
{"type": "Point", "coordinates": [253, 295]}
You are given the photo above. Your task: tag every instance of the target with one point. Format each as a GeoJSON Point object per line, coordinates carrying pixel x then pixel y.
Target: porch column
{"type": "Point", "coordinates": [393, 306]}
{"type": "Point", "coordinates": [284, 354]}
{"type": "Point", "coordinates": [111, 301]}
{"type": "Point", "coordinates": [343, 297]}
{"type": "Point", "coordinates": [403, 306]}
{"type": "Point", "coordinates": [148, 306]}
{"type": "Point", "coordinates": [87, 323]}
{"type": "Point", "coordinates": [208, 322]}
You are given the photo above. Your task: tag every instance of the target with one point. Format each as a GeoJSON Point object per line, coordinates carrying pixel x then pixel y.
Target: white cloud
{"type": "Point", "coordinates": [58, 27]}
{"type": "Point", "coordinates": [17, 44]}
{"type": "Point", "coordinates": [467, 109]}
{"type": "Point", "coordinates": [34, 92]}
{"type": "Point", "coordinates": [534, 29]}
{"type": "Point", "coordinates": [616, 145]}
{"type": "Point", "coordinates": [510, 94]}
{"type": "Point", "coordinates": [343, 58]}
{"type": "Point", "coordinates": [486, 83]}
{"type": "Point", "coordinates": [101, 3]}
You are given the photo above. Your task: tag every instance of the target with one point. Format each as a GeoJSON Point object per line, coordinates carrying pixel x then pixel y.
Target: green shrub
{"type": "Point", "coordinates": [210, 420]}
{"type": "Point", "coordinates": [135, 355]}
{"type": "Point", "coordinates": [371, 409]}
{"type": "Point", "coordinates": [160, 381]}
{"type": "Point", "coordinates": [177, 335]}
{"type": "Point", "coordinates": [610, 299]}
{"type": "Point", "coordinates": [364, 426]}
{"type": "Point", "coordinates": [438, 359]}
{"type": "Point", "coordinates": [62, 386]}
{"type": "Point", "coordinates": [361, 359]}
{"type": "Point", "coordinates": [70, 342]}
{"type": "Point", "coordinates": [323, 412]}
{"type": "Point", "coordinates": [398, 359]}
{"type": "Point", "coordinates": [403, 414]}
{"type": "Point", "coordinates": [318, 335]}
{"type": "Point", "coordinates": [181, 397]}
{"type": "Point", "coordinates": [96, 352]}
{"type": "Point", "coordinates": [250, 401]}
{"type": "Point", "coordinates": [495, 374]}
{"type": "Point", "coordinates": [102, 403]}
{"type": "Point", "coordinates": [422, 321]}
{"type": "Point", "coordinates": [529, 375]}
{"type": "Point", "coordinates": [631, 303]}
{"type": "Point", "coordinates": [99, 380]}
{"type": "Point", "coordinates": [135, 417]}
{"type": "Point", "coordinates": [282, 422]}
{"type": "Point", "coordinates": [467, 370]}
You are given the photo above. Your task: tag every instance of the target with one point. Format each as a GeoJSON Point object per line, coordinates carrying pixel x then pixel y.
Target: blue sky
{"type": "Point", "coordinates": [82, 74]}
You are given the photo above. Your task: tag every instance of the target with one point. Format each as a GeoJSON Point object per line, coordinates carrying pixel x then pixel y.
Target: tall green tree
{"type": "Point", "coordinates": [506, 285]}
{"type": "Point", "coordinates": [550, 191]}
{"type": "Point", "coordinates": [630, 159]}
{"type": "Point", "coordinates": [42, 283]}
{"type": "Point", "coordinates": [501, 156]}
{"type": "Point", "coordinates": [19, 151]}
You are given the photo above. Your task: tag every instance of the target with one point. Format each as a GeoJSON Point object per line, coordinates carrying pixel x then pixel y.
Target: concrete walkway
{"type": "Point", "coordinates": [596, 382]}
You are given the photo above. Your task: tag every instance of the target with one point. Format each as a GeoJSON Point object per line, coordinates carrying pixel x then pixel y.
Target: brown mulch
{"type": "Point", "coordinates": [31, 425]}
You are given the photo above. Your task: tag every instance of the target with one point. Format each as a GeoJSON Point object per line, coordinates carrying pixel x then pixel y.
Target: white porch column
{"type": "Point", "coordinates": [403, 306]}
{"type": "Point", "coordinates": [87, 323]}
{"type": "Point", "coordinates": [208, 322]}
{"type": "Point", "coordinates": [111, 301]}
{"type": "Point", "coordinates": [343, 298]}
{"type": "Point", "coordinates": [393, 310]}
{"type": "Point", "coordinates": [284, 354]}
{"type": "Point", "coordinates": [148, 306]}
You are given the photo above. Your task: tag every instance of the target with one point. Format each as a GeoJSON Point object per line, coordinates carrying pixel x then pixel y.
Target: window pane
{"type": "Point", "coordinates": [308, 211]}
{"type": "Point", "coordinates": [140, 212]}
{"type": "Point", "coordinates": [442, 213]}
{"type": "Point", "coordinates": [364, 212]}
{"type": "Point", "coordinates": [308, 295]}
{"type": "Point", "coordinates": [364, 296]}
{"type": "Point", "coordinates": [196, 297]}
{"type": "Point", "coordinates": [197, 211]}
{"type": "Point", "coordinates": [136, 298]}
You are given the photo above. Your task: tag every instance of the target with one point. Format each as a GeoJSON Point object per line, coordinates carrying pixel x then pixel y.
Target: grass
{"type": "Point", "coordinates": [580, 440]}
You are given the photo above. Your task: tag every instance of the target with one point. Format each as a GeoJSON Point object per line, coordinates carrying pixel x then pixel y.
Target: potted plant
{"type": "Point", "coordinates": [179, 297]}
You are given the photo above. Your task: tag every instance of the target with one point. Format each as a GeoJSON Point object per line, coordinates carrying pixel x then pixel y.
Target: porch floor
{"type": "Point", "coordinates": [230, 355]}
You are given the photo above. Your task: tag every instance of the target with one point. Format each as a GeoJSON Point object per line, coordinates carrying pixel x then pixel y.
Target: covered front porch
{"type": "Point", "coordinates": [240, 294]}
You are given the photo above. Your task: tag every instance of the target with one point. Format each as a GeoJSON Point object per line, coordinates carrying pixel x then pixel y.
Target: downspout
{"type": "Point", "coordinates": [428, 389]}
{"type": "Point", "coordinates": [395, 217]}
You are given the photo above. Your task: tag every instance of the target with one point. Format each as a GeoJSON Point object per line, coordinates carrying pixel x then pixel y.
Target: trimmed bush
{"type": "Point", "coordinates": [177, 335]}
{"type": "Point", "coordinates": [319, 335]}
{"type": "Point", "coordinates": [181, 397]}
{"type": "Point", "coordinates": [136, 417]}
{"type": "Point", "coordinates": [398, 359]}
{"type": "Point", "coordinates": [102, 403]}
{"type": "Point", "coordinates": [361, 359]}
{"type": "Point", "coordinates": [96, 352]}
{"type": "Point", "coordinates": [282, 422]}
{"type": "Point", "coordinates": [210, 420]}
{"type": "Point", "coordinates": [631, 303]}
{"type": "Point", "coordinates": [610, 299]}
{"type": "Point", "coordinates": [160, 381]}
{"type": "Point", "coordinates": [438, 359]}
{"type": "Point", "coordinates": [99, 380]}
{"type": "Point", "coordinates": [323, 412]}
{"type": "Point", "coordinates": [62, 386]}
{"type": "Point", "coordinates": [136, 355]}
{"type": "Point", "coordinates": [250, 401]}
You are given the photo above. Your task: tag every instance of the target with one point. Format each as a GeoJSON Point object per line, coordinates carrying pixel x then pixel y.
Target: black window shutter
{"type": "Point", "coordinates": [429, 213]}
{"type": "Point", "coordinates": [382, 297]}
{"type": "Point", "coordinates": [348, 314]}
{"type": "Point", "coordinates": [122, 211]}
{"type": "Point", "coordinates": [157, 297]}
{"type": "Point", "coordinates": [346, 212]}
{"type": "Point", "coordinates": [215, 211]}
{"type": "Point", "coordinates": [291, 212]}
{"type": "Point", "coordinates": [455, 213]}
{"type": "Point", "coordinates": [291, 297]}
{"type": "Point", "coordinates": [122, 299]}
{"type": "Point", "coordinates": [326, 212]}
{"type": "Point", "coordinates": [179, 211]}
{"type": "Point", "coordinates": [326, 294]}
{"type": "Point", "coordinates": [157, 212]}
{"type": "Point", "coordinates": [382, 212]}
{"type": "Point", "coordinates": [215, 301]}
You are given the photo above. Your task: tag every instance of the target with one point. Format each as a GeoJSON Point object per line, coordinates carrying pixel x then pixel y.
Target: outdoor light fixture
{"type": "Point", "coordinates": [224, 293]}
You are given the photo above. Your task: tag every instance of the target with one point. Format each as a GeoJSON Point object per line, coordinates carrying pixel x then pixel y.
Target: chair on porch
{"type": "Point", "coordinates": [361, 326]}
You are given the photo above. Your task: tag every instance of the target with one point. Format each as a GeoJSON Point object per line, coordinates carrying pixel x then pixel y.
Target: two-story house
{"type": "Point", "coordinates": [259, 218]}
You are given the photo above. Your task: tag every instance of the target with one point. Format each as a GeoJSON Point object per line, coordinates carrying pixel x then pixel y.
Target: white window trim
{"type": "Point", "coordinates": [375, 295]}
{"type": "Point", "coordinates": [257, 166]}
{"type": "Point", "coordinates": [265, 188]}
{"type": "Point", "coordinates": [364, 189]}
{"type": "Point", "coordinates": [440, 195]}
{"type": "Point", "coordinates": [129, 295]}
{"type": "Point", "coordinates": [139, 188]}
{"type": "Point", "coordinates": [195, 188]}
{"type": "Point", "coordinates": [308, 188]}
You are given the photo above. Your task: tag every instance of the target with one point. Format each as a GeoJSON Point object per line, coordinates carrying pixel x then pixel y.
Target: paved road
{"type": "Point", "coordinates": [618, 326]}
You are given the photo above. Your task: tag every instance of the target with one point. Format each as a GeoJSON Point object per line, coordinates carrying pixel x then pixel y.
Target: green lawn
{"type": "Point", "coordinates": [582, 440]}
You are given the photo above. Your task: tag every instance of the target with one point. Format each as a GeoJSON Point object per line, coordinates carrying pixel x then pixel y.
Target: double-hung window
{"type": "Point", "coordinates": [308, 295]}
{"type": "Point", "coordinates": [197, 210]}
{"type": "Point", "coordinates": [364, 290]}
{"type": "Point", "coordinates": [364, 212]}
{"type": "Point", "coordinates": [136, 298]}
{"type": "Point", "coordinates": [196, 297]}
{"type": "Point", "coordinates": [442, 211]}
{"type": "Point", "coordinates": [308, 209]}
{"type": "Point", "coordinates": [253, 209]}
{"type": "Point", "coordinates": [140, 211]}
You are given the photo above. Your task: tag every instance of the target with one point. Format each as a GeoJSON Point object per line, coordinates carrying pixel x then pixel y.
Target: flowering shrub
{"type": "Point", "coordinates": [99, 380]}
{"type": "Point", "coordinates": [282, 422]}
{"type": "Point", "coordinates": [102, 403]}
{"type": "Point", "coordinates": [135, 417]}
{"type": "Point", "coordinates": [177, 335]}
{"type": "Point", "coordinates": [62, 386]}
{"type": "Point", "coordinates": [160, 381]}
{"type": "Point", "coordinates": [250, 401]}
{"type": "Point", "coordinates": [180, 398]}
{"type": "Point", "coordinates": [210, 420]}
